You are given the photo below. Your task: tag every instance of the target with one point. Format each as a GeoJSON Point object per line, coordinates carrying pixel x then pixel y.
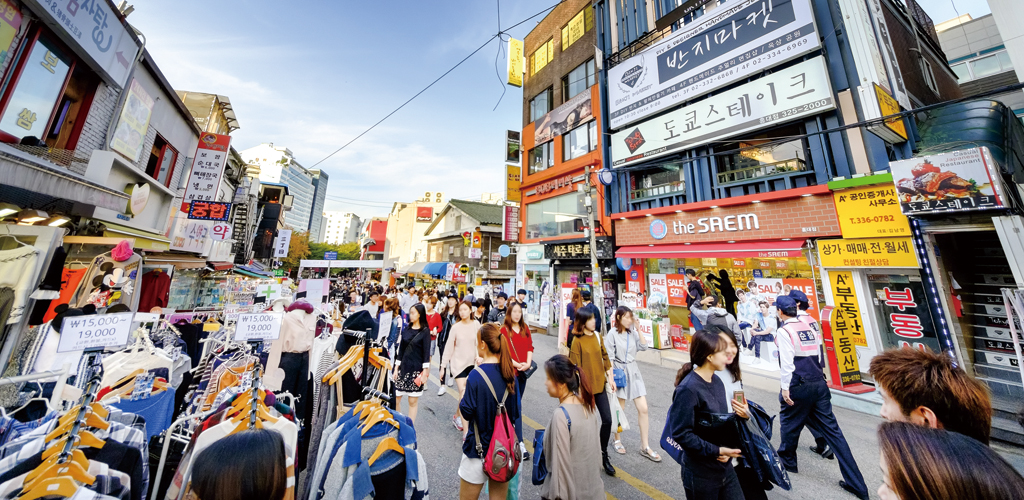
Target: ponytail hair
{"type": "Point", "coordinates": [562, 371]}
{"type": "Point", "coordinates": [497, 344]}
{"type": "Point", "coordinates": [703, 345]}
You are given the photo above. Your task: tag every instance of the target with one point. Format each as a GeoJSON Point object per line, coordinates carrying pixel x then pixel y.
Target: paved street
{"type": "Point", "coordinates": [639, 478]}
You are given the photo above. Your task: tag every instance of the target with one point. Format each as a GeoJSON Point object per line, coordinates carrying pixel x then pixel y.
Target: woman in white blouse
{"type": "Point", "coordinates": [622, 344]}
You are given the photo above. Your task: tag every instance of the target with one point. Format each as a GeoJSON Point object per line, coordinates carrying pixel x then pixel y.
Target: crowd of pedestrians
{"type": "Point", "coordinates": [934, 443]}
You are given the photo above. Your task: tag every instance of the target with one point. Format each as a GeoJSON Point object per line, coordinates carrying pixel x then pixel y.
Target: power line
{"type": "Point", "coordinates": [471, 54]}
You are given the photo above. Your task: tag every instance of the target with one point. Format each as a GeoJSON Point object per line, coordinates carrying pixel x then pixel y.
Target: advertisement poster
{"type": "Point", "coordinates": [513, 181]}
{"type": "Point", "coordinates": [207, 168]}
{"type": "Point", "coordinates": [315, 290]}
{"type": "Point", "coordinates": [635, 280]}
{"type": "Point", "coordinates": [773, 287]}
{"type": "Point", "coordinates": [133, 123]}
{"type": "Point", "coordinates": [516, 63]}
{"type": "Point", "coordinates": [870, 212]}
{"type": "Point", "coordinates": [657, 299]}
{"type": "Point", "coordinates": [513, 147]}
{"type": "Point", "coordinates": [189, 235]}
{"type": "Point", "coordinates": [545, 308]}
{"type": "Point", "coordinates": [677, 287]}
{"type": "Point", "coordinates": [563, 118]}
{"type": "Point", "coordinates": [847, 319]}
{"type": "Point", "coordinates": [10, 21]}
{"type": "Point", "coordinates": [565, 297]}
{"type": "Point", "coordinates": [732, 42]}
{"type": "Point", "coordinates": [645, 327]}
{"type": "Point", "coordinates": [962, 180]}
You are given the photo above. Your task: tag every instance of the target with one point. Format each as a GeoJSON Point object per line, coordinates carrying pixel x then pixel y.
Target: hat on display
{"type": "Point", "coordinates": [122, 251]}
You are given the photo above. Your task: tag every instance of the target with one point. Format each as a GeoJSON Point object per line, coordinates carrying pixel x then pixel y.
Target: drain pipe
{"type": "Point", "coordinates": [124, 91]}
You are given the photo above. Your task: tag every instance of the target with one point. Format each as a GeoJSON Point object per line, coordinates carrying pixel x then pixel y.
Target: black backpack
{"type": "Point", "coordinates": [716, 320]}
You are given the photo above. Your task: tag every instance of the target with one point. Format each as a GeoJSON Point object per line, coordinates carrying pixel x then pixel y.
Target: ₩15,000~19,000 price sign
{"type": "Point", "coordinates": [100, 331]}
{"type": "Point", "coordinates": [258, 326]}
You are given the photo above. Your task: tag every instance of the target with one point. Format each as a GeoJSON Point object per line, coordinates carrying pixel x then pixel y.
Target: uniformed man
{"type": "Point", "coordinates": [805, 397]}
{"type": "Point", "coordinates": [820, 446]}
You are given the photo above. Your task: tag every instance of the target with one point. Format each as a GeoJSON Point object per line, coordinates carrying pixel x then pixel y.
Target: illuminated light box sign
{"type": "Point", "coordinates": [209, 210]}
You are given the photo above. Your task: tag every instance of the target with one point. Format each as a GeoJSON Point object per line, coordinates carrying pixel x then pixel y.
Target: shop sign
{"type": "Point", "coordinates": [220, 231]}
{"type": "Point", "coordinates": [495, 256]}
{"type": "Point", "coordinates": [513, 146]}
{"type": "Point", "coordinates": [207, 167]}
{"type": "Point", "coordinates": [570, 115]}
{"type": "Point", "coordinates": [475, 253]}
{"type": "Point", "coordinates": [847, 319]}
{"type": "Point", "coordinates": [553, 184]}
{"type": "Point", "coordinates": [189, 235]}
{"type": "Point", "coordinates": [510, 223]}
{"type": "Point", "coordinates": [94, 27]}
{"type": "Point", "coordinates": [284, 238]}
{"type": "Point", "coordinates": [579, 250]}
{"type": "Point", "coordinates": [535, 254]}
{"type": "Point", "coordinates": [677, 289]}
{"type": "Point", "coordinates": [740, 262]}
{"type": "Point", "coordinates": [10, 22]}
{"type": "Point", "coordinates": [868, 252]}
{"type": "Point", "coordinates": [516, 63]}
{"type": "Point", "coordinates": [513, 183]}
{"type": "Point", "coordinates": [424, 214]}
{"type": "Point", "coordinates": [80, 333]}
{"type": "Point", "coordinates": [494, 264]}
{"type": "Point", "coordinates": [870, 211]}
{"type": "Point", "coordinates": [742, 222]}
{"type": "Point", "coordinates": [330, 255]}
{"type": "Point", "coordinates": [658, 229]}
{"type": "Point", "coordinates": [478, 240]}
{"type": "Point", "coordinates": [254, 327]}
{"type": "Point", "coordinates": [133, 124]}
{"type": "Point", "coordinates": [278, 273]}
{"type": "Point", "coordinates": [139, 197]}
{"type": "Point", "coordinates": [209, 210]}
{"type": "Point", "coordinates": [729, 45]}
{"type": "Point", "coordinates": [783, 96]}
{"type": "Point", "coordinates": [905, 314]}
{"type": "Point", "coordinates": [893, 129]}
{"type": "Point", "coordinates": [635, 278]}
{"type": "Point", "coordinates": [958, 181]}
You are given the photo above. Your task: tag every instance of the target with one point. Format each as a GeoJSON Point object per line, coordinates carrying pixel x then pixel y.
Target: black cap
{"type": "Point", "coordinates": [586, 295]}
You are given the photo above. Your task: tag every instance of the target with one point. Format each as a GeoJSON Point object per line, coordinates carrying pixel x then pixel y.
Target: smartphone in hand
{"type": "Point", "coordinates": [739, 397]}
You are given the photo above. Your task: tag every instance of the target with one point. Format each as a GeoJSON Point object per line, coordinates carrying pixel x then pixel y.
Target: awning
{"type": "Point", "coordinates": [414, 268]}
{"type": "Point", "coordinates": [143, 240]}
{"type": "Point", "coordinates": [757, 249]}
{"type": "Point", "coordinates": [221, 266]}
{"type": "Point", "coordinates": [436, 268]}
{"type": "Point", "coordinates": [252, 272]}
{"type": "Point", "coordinates": [25, 171]}
{"type": "Point", "coordinates": [179, 261]}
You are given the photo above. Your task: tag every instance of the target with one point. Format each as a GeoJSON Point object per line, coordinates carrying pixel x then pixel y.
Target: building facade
{"type": "Point", "coordinates": [316, 216]}
{"type": "Point", "coordinates": [341, 227]}
{"type": "Point", "coordinates": [405, 243]}
{"type": "Point", "coordinates": [976, 52]}
{"type": "Point", "coordinates": [278, 165]}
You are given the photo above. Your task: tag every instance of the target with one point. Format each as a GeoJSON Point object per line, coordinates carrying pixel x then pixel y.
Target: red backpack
{"type": "Point", "coordinates": [504, 454]}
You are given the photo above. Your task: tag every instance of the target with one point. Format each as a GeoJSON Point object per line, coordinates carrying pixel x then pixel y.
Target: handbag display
{"type": "Point", "coordinates": [540, 462]}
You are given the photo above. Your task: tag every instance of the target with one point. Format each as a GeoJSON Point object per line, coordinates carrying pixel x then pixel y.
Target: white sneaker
{"type": "Point", "coordinates": [440, 390]}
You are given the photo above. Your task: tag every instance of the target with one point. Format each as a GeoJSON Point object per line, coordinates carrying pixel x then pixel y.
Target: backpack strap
{"type": "Point", "coordinates": [568, 420]}
{"type": "Point", "coordinates": [501, 408]}
{"type": "Point", "coordinates": [487, 380]}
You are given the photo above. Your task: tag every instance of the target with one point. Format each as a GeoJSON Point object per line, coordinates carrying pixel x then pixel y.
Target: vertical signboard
{"type": "Point", "coordinates": [284, 238]}
{"type": "Point", "coordinates": [510, 223]}
{"type": "Point", "coordinates": [207, 168]}
{"type": "Point", "coordinates": [513, 179]}
{"type": "Point", "coordinates": [133, 123]}
{"type": "Point", "coordinates": [513, 146]}
{"type": "Point", "coordinates": [516, 62]}
{"type": "Point", "coordinates": [10, 22]}
{"type": "Point", "coordinates": [846, 326]}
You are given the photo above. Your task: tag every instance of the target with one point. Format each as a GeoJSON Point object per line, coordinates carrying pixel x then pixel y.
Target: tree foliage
{"type": "Point", "coordinates": [347, 251]}
{"type": "Point", "coordinates": [298, 249]}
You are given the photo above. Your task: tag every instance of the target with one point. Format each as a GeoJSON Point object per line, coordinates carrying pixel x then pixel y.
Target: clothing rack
{"type": "Point", "coordinates": [169, 436]}
{"type": "Point", "coordinates": [91, 390]}
{"type": "Point", "coordinates": [368, 343]}
{"type": "Point", "coordinates": [58, 390]}
{"type": "Point", "coordinates": [256, 347]}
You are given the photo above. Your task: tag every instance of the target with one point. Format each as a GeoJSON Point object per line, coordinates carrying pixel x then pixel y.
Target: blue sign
{"type": "Point", "coordinates": [658, 229]}
{"type": "Point", "coordinates": [757, 273]}
{"type": "Point", "coordinates": [624, 264]}
{"type": "Point", "coordinates": [633, 275]}
{"type": "Point", "coordinates": [504, 251]}
{"type": "Point", "coordinates": [330, 255]}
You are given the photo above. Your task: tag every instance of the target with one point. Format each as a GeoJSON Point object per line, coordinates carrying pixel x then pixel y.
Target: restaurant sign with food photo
{"type": "Point", "coordinates": [967, 179]}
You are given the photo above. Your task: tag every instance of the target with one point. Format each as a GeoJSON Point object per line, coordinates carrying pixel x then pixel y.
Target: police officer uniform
{"type": "Point", "coordinates": [820, 446]}
{"type": "Point", "coordinates": [802, 363]}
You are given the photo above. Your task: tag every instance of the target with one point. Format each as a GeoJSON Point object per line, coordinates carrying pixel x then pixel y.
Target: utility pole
{"type": "Point", "coordinates": [595, 272]}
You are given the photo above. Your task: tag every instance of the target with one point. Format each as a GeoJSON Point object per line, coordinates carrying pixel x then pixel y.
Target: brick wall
{"type": "Point", "coordinates": [550, 28]}
{"type": "Point", "coordinates": [913, 78]}
{"type": "Point", "coordinates": [803, 217]}
{"type": "Point", "coordinates": [94, 132]}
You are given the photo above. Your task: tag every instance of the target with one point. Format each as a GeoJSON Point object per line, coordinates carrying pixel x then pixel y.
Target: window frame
{"type": "Point", "coordinates": [591, 79]}
{"type": "Point", "coordinates": [929, 76]}
{"type": "Point", "coordinates": [550, 105]}
{"type": "Point", "coordinates": [549, 149]}
{"type": "Point", "coordinates": [566, 142]}
{"type": "Point", "coordinates": [174, 162]}
{"type": "Point", "coordinates": [10, 84]}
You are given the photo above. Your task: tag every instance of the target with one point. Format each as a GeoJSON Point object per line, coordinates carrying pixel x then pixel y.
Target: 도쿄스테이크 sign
{"type": "Point", "coordinates": [962, 180]}
{"type": "Point", "coordinates": [731, 42]}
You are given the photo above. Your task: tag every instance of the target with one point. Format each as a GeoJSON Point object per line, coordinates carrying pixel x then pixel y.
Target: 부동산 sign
{"type": "Point", "coordinates": [782, 96]}
{"type": "Point", "coordinates": [731, 42]}
{"type": "Point", "coordinates": [962, 180]}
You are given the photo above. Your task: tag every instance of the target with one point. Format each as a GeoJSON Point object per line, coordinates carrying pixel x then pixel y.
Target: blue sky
{"type": "Point", "coordinates": [313, 79]}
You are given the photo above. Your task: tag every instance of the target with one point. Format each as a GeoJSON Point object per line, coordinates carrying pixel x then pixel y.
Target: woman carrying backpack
{"type": "Point", "coordinates": [623, 342]}
{"type": "Point", "coordinates": [480, 409]}
{"type": "Point", "coordinates": [570, 442]}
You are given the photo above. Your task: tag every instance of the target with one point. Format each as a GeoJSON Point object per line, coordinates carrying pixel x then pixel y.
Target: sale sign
{"type": "Point", "coordinates": [82, 333]}
{"type": "Point", "coordinates": [258, 326]}
{"type": "Point", "coordinates": [677, 290]}
{"type": "Point", "coordinates": [770, 288]}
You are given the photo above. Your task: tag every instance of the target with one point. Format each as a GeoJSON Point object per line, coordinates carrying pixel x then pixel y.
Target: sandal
{"type": "Point", "coordinates": [651, 455]}
{"type": "Point", "coordinates": [621, 450]}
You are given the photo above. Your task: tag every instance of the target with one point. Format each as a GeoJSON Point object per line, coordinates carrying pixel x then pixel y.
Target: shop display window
{"type": "Point", "coordinates": [542, 157]}
{"type": "Point", "coordinates": [554, 216]}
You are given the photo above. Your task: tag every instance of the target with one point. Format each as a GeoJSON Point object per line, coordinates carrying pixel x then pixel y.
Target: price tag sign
{"type": "Point", "coordinates": [258, 326]}
{"type": "Point", "coordinates": [98, 331]}
{"type": "Point", "coordinates": [231, 313]}
{"type": "Point", "coordinates": [147, 317]}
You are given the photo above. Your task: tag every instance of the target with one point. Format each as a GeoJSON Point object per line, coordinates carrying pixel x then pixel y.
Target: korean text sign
{"type": "Point", "coordinates": [785, 95]}
{"type": "Point", "coordinates": [97, 331]}
{"type": "Point", "coordinates": [209, 210]}
{"type": "Point", "coordinates": [731, 43]}
{"type": "Point", "coordinates": [284, 238]}
{"type": "Point", "coordinates": [962, 180]}
{"type": "Point", "coordinates": [847, 326]}
{"type": "Point", "coordinates": [870, 211]}
{"type": "Point", "coordinates": [510, 223]}
{"type": "Point", "coordinates": [868, 252]}
{"type": "Point", "coordinates": [905, 314]}
{"type": "Point", "coordinates": [97, 29]}
{"type": "Point", "coordinates": [258, 326]}
{"type": "Point", "coordinates": [207, 169]}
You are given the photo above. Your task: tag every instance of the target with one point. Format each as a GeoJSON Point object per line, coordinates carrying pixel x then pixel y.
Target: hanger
{"type": "Point", "coordinates": [389, 443]}
{"type": "Point", "coordinates": [380, 415]}
{"type": "Point", "coordinates": [77, 457]}
{"type": "Point", "coordinates": [63, 487]}
{"type": "Point", "coordinates": [74, 470]}
{"type": "Point", "coordinates": [7, 234]}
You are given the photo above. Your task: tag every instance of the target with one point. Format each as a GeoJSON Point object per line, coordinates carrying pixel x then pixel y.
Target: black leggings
{"type": "Point", "coordinates": [601, 399]}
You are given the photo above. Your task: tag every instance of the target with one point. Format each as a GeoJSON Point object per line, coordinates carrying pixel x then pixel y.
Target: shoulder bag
{"type": "Point", "coordinates": [540, 462]}
{"type": "Point", "coordinates": [618, 373]}
{"type": "Point", "coordinates": [533, 364]}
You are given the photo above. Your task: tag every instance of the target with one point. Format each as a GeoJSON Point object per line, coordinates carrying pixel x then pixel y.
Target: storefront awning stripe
{"type": "Point", "coordinates": [756, 249]}
{"type": "Point", "coordinates": [414, 268]}
{"type": "Point", "coordinates": [436, 268]}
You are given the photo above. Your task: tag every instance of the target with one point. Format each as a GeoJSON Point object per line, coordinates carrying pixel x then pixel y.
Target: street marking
{"type": "Point", "coordinates": [638, 484]}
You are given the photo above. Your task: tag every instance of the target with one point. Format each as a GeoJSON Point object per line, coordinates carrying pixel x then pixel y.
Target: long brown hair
{"type": "Point", "coordinates": [580, 324]}
{"type": "Point", "coordinates": [524, 331]}
{"type": "Point", "coordinates": [458, 310]}
{"type": "Point", "coordinates": [561, 371]}
{"type": "Point", "coordinates": [391, 305]}
{"type": "Point", "coordinates": [934, 464]}
{"type": "Point", "coordinates": [577, 299]}
{"type": "Point", "coordinates": [703, 345]}
{"type": "Point", "coordinates": [491, 336]}
{"type": "Point", "coordinates": [734, 367]}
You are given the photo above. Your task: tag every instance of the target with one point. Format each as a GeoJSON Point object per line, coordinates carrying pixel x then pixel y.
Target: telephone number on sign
{"type": "Point", "coordinates": [820, 103]}
{"type": "Point", "coordinates": [869, 220]}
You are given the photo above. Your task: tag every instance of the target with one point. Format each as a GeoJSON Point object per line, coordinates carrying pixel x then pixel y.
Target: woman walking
{"type": "Point", "coordinates": [460, 353]}
{"type": "Point", "coordinates": [391, 305]}
{"type": "Point", "coordinates": [588, 353]}
{"type": "Point", "coordinates": [575, 303]}
{"type": "Point", "coordinates": [412, 366]}
{"type": "Point", "coordinates": [570, 442]}
{"type": "Point", "coordinates": [448, 318]}
{"type": "Point", "coordinates": [707, 471]}
{"type": "Point", "coordinates": [480, 408]}
{"type": "Point", "coordinates": [519, 340]}
{"type": "Point", "coordinates": [624, 343]}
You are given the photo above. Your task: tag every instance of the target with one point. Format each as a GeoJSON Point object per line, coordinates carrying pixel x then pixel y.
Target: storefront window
{"type": "Point", "coordinates": [554, 216]}
{"type": "Point", "coordinates": [542, 157]}
{"type": "Point", "coordinates": [757, 161]}
{"type": "Point", "coordinates": [660, 181]}
{"type": "Point", "coordinates": [38, 87]}
{"type": "Point", "coordinates": [579, 141]}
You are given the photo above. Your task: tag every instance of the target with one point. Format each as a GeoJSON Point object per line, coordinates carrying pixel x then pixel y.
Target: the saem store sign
{"type": "Point", "coordinates": [795, 218]}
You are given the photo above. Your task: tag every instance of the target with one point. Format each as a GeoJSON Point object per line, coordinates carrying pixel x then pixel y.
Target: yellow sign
{"type": "Point", "coordinates": [870, 212]}
{"type": "Point", "coordinates": [513, 179]}
{"type": "Point", "coordinates": [868, 252]}
{"type": "Point", "coordinates": [516, 66]}
{"type": "Point", "coordinates": [542, 57]}
{"type": "Point", "coordinates": [847, 325]}
{"type": "Point", "coordinates": [888, 106]}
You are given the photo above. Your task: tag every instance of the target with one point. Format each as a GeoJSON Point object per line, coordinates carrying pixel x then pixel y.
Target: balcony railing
{"type": "Point", "coordinates": [762, 171]}
{"type": "Point", "coordinates": [659, 190]}
{"type": "Point", "coordinates": [72, 160]}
